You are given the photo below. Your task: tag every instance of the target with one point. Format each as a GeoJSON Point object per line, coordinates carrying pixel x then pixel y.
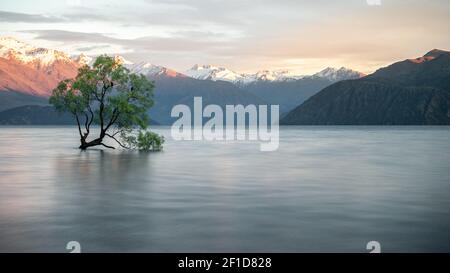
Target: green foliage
{"type": "Point", "coordinates": [149, 141]}
{"type": "Point", "coordinates": [144, 141]}
{"type": "Point", "coordinates": [109, 95]}
{"type": "Point", "coordinates": [66, 98]}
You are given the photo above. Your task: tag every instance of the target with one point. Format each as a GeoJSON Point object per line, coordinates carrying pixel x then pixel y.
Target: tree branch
{"type": "Point", "coordinates": [112, 136]}
{"type": "Point", "coordinates": [96, 95]}
{"type": "Point", "coordinates": [113, 119]}
{"type": "Point", "coordinates": [102, 105]}
{"type": "Point", "coordinates": [92, 115]}
{"type": "Point", "coordinates": [78, 123]}
{"type": "Point", "coordinates": [117, 132]}
{"type": "Point", "coordinates": [86, 124]}
{"type": "Point", "coordinates": [111, 147]}
{"type": "Point", "coordinates": [101, 114]}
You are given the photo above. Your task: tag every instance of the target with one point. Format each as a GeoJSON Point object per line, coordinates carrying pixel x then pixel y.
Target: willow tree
{"type": "Point", "coordinates": [108, 95]}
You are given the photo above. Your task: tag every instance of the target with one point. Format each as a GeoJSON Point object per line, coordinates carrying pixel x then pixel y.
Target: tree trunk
{"type": "Point", "coordinates": [84, 145]}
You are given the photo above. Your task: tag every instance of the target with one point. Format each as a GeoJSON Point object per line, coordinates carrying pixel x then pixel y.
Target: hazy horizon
{"type": "Point", "coordinates": [301, 36]}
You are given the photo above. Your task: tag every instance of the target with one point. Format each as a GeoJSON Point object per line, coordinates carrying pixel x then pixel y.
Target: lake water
{"type": "Point", "coordinates": [326, 189]}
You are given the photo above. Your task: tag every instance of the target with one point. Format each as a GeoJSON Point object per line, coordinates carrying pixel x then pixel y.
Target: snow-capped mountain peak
{"type": "Point", "coordinates": [122, 60]}
{"type": "Point", "coordinates": [149, 69]}
{"type": "Point", "coordinates": [275, 75]}
{"type": "Point", "coordinates": [342, 73]}
{"type": "Point", "coordinates": [11, 48]}
{"type": "Point", "coordinates": [210, 72]}
{"type": "Point", "coordinates": [8, 43]}
{"type": "Point", "coordinates": [214, 73]}
{"type": "Point", "coordinates": [83, 59]}
{"type": "Point", "coordinates": [33, 70]}
{"type": "Point", "coordinates": [145, 68]}
{"type": "Point", "coordinates": [43, 58]}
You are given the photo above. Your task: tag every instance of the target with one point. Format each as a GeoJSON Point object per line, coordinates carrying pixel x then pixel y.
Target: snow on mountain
{"type": "Point", "coordinates": [148, 69]}
{"type": "Point", "coordinates": [22, 64]}
{"type": "Point", "coordinates": [83, 59]}
{"type": "Point", "coordinates": [275, 75]}
{"type": "Point", "coordinates": [151, 70]}
{"type": "Point", "coordinates": [123, 61]}
{"type": "Point", "coordinates": [36, 71]}
{"type": "Point", "coordinates": [11, 48]}
{"type": "Point", "coordinates": [342, 73]}
{"type": "Point", "coordinates": [215, 73]}
{"type": "Point", "coordinates": [145, 68]}
{"type": "Point", "coordinates": [32, 70]}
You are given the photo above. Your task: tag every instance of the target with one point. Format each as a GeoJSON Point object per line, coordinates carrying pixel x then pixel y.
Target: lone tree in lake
{"type": "Point", "coordinates": [108, 95]}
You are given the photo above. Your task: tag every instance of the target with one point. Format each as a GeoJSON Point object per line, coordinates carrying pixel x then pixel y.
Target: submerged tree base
{"type": "Point", "coordinates": [144, 140]}
{"type": "Point", "coordinates": [93, 143]}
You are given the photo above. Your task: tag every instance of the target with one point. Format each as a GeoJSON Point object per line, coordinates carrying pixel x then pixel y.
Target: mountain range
{"type": "Point", "coordinates": [410, 92]}
{"type": "Point", "coordinates": [31, 70]}
{"type": "Point", "coordinates": [413, 91]}
{"type": "Point", "coordinates": [215, 73]}
{"type": "Point", "coordinates": [28, 74]}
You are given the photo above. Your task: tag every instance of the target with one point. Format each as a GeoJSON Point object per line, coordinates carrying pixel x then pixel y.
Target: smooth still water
{"type": "Point", "coordinates": [327, 189]}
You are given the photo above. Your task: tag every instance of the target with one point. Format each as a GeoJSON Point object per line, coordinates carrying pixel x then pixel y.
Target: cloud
{"type": "Point", "coordinates": [247, 35]}
{"type": "Point", "coordinates": [71, 36]}
{"type": "Point", "coordinates": [73, 3]}
{"type": "Point", "coordinates": [181, 42]}
{"type": "Point", "coordinates": [93, 47]}
{"type": "Point", "coordinates": [15, 17]}
{"type": "Point", "coordinates": [75, 15]}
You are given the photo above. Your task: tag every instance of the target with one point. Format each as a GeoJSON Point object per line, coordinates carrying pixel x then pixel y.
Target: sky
{"type": "Point", "coordinates": [243, 35]}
